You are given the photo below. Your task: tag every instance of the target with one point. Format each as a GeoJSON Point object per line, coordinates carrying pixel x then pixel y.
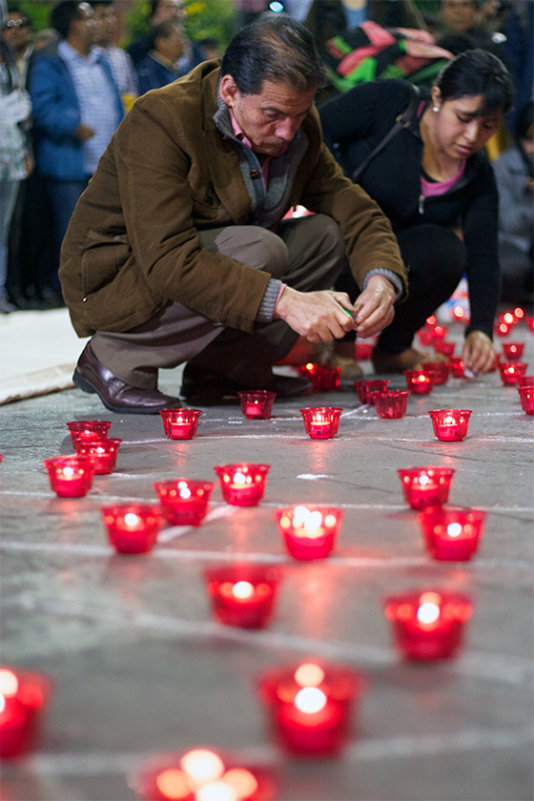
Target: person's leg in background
{"type": "Point", "coordinates": [63, 197]}
{"type": "Point", "coordinates": [8, 197]}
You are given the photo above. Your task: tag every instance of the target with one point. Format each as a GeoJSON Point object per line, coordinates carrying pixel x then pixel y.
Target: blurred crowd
{"type": "Point", "coordinates": [65, 89]}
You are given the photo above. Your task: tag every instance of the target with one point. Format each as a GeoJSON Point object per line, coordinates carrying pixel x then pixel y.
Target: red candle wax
{"type": "Point", "coordinates": [453, 533]}
{"type": "Point", "coordinates": [132, 527]}
{"type": "Point", "coordinates": [450, 425]}
{"type": "Point", "coordinates": [184, 501]}
{"type": "Point", "coordinates": [242, 595]}
{"type": "Point", "coordinates": [257, 404]}
{"type": "Point", "coordinates": [419, 382]}
{"type": "Point", "coordinates": [428, 625]}
{"type": "Point", "coordinates": [102, 452]}
{"type": "Point", "coordinates": [180, 423]}
{"type": "Point", "coordinates": [511, 372]}
{"type": "Point", "coordinates": [88, 429]}
{"type": "Point", "coordinates": [23, 696]}
{"type": "Point", "coordinates": [70, 476]}
{"type": "Point", "coordinates": [426, 486]}
{"type": "Point", "coordinates": [309, 532]}
{"type": "Point", "coordinates": [512, 351]}
{"type": "Point", "coordinates": [242, 484]}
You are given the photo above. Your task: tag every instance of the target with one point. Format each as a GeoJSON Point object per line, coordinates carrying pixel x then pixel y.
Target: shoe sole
{"type": "Point", "coordinates": [83, 384]}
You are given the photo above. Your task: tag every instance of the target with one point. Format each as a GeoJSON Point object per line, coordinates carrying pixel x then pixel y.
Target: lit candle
{"type": "Point", "coordinates": [242, 484]}
{"type": "Point", "coordinates": [88, 429]}
{"type": "Point", "coordinates": [257, 404]}
{"type": "Point", "coordinates": [426, 486]}
{"type": "Point", "coordinates": [310, 706]}
{"type": "Point", "coordinates": [457, 366]}
{"type": "Point", "coordinates": [419, 382]}
{"type": "Point", "coordinates": [526, 396]}
{"type": "Point", "coordinates": [450, 425]}
{"type": "Point", "coordinates": [512, 351]}
{"type": "Point", "coordinates": [391, 404]}
{"type": "Point", "coordinates": [132, 527]}
{"type": "Point", "coordinates": [428, 625]}
{"type": "Point", "coordinates": [184, 501]}
{"type": "Point", "coordinates": [321, 422]}
{"type": "Point", "coordinates": [440, 371]}
{"type": "Point", "coordinates": [70, 476]}
{"type": "Point", "coordinates": [23, 696]}
{"type": "Point", "coordinates": [242, 595]}
{"type": "Point", "coordinates": [309, 532]}
{"type": "Point", "coordinates": [102, 452]}
{"type": "Point", "coordinates": [439, 331]}
{"type": "Point", "coordinates": [452, 533]}
{"type": "Point", "coordinates": [366, 388]}
{"type": "Point", "coordinates": [180, 423]}
{"type": "Point", "coordinates": [511, 372]}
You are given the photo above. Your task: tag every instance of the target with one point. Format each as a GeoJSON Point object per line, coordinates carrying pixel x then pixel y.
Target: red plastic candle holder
{"type": "Point", "coordinates": [445, 347]}
{"type": "Point", "coordinates": [428, 625]}
{"type": "Point", "coordinates": [366, 388]}
{"type": "Point", "coordinates": [242, 484]}
{"type": "Point", "coordinates": [456, 364]}
{"type": "Point", "coordinates": [309, 532]}
{"type": "Point", "coordinates": [70, 476]}
{"type": "Point", "coordinates": [502, 329]}
{"type": "Point", "coordinates": [310, 706]}
{"type": "Point", "coordinates": [511, 372]}
{"type": "Point", "coordinates": [180, 423]}
{"type": "Point", "coordinates": [513, 351]}
{"type": "Point", "coordinates": [419, 382]}
{"type": "Point", "coordinates": [102, 452]}
{"type": "Point", "coordinates": [257, 404]}
{"type": "Point", "coordinates": [83, 430]}
{"type": "Point", "coordinates": [325, 379]}
{"type": "Point", "coordinates": [440, 371]}
{"type": "Point", "coordinates": [439, 331]}
{"type": "Point", "coordinates": [132, 527]}
{"type": "Point", "coordinates": [451, 533]}
{"type": "Point", "coordinates": [450, 425]}
{"type": "Point", "coordinates": [363, 351]}
{"type": "Point", "coordinates": [392, 403]}
{"type": "Point", "coordinates": [526, 396]}
{"type": "Point", "coordinates": [242, 595]}
{"type": "Point", "coordinates": [23, 698]}
{"type": "Point", "coordinates": [184, 501]}
{"type": "Point", "coordinates": [426, 486]}
{"type": "Point", "coordinates": [307, 369]}
{"type": "Point", "coordinates": [321, 422]}
{"type": "Point", "coordinates": [508, 317]}
{"type": "Point", "coordinates": [426, 336]}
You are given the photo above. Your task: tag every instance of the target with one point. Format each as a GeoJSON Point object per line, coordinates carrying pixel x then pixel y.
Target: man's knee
{"type": "Point", "coordinates": [270, 253]}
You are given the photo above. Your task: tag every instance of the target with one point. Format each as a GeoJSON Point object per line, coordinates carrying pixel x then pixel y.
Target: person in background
{"type": "Point", "coordinates": [161, 11]}
{"type": "Point", "coordinates": [436, 186]}
{"type": "Point", "coordinates": [514, 171]}
{"type": "Point", "coordinates": [162, 65]}
{"type": "Point", "coordinates": [121, 63]}
{"type": "Point", "coordinates": [18, 35]}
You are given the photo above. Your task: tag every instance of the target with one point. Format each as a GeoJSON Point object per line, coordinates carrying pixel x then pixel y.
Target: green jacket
{"type": "Point", "coordinates": [132, 245]}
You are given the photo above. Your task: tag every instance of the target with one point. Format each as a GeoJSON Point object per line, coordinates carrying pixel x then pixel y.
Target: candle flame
{"type": "Point", "coordinates": [304, 518]}
{"type": "Point", "coordinates": [9, 683]}
{"type": "Point", "coordinates": [202, 765]}
{"type": "Point", "coordinates": [309, 675]}
{"type": "Point", "coordinates": [428, 612]}
{"type": "Point", "coordinates": [424, 479]}
{"type": "Point", "coordinates": [449, 420]}
{"type": "Point", "coordinates": [68, 472]}
{"type": "Point", "coordinates": [310, 700]}
{"type": "Point", "coordinates": [454, 529]}
{"type": "Point", "coordinates": [242, 590]}
{"type": "Point", "coordinates": [239, 477]}
{"type": "Point", "coordinates": [131, 519]}
{"type": "Point", "coordinates": [217, 791]}
{"type": "Point", "coordinates": [183, 490]}
{"type": "Point", "coordinates": [172, 783]}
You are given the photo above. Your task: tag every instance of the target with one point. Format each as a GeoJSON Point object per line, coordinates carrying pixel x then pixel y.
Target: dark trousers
{"type": "Point", "coordinates": [63, 197]}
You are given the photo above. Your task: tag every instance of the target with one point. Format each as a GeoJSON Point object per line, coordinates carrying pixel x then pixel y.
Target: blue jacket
{"type": "Point", "coordinates": [57, 115]}
{"type": "Point", "coordinates": [151, 74]}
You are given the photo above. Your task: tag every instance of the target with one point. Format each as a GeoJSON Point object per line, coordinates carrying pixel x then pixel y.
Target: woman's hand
{"type": "Point", "coordinates": [478, 353]}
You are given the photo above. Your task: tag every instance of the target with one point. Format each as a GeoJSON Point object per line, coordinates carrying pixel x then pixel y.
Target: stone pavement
{"type": "Point", "coordinates": [140, 667]}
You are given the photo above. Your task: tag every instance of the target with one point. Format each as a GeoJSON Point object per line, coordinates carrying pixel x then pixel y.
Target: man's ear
{"type": "Point", "coordinates": [228, 90]}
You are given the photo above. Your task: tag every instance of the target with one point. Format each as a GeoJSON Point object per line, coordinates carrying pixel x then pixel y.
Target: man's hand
{"type": "Point", "coordinates": [318, 316]}
{"type": "Point", "coordinates": [374, 307]}
{"type": "Point", "coordinates": [478, 353]}
{"type": "Point", "coordinates": [83, 132]}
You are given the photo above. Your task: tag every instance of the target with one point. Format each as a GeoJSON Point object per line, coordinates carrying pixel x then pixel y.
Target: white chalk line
{"type": "Point", "coordinates": [173, 532]}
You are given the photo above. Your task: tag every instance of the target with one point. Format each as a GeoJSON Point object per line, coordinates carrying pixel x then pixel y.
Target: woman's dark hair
{"type": "Point", "coordinates": [477, 72]}
{"type": "Point", "coordinates": [276, 48]}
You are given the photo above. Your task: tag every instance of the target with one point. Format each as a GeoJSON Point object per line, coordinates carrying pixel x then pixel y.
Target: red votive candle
{"type": "Point", "coordinates": [512, 351]}
{"type": "Point", "coordinates": [426, 486]}
{"type": "Point", "coordinates": [426, 336]}
{"type": "Point", "coordinates": [309, 532]}
{"type": "Point", "coordinates": [511, 372]}
{"type": "Point", "coordinates": [307, 369]}
{"type": "Point", "coordinates": [180, 423]}
{"type": "Point", "coordinates": [310, 706]}
{"type": "Point", "coordinates": [392, 403]}
{"type": "Point", "coordinates": [102, 452]}
{"type": "Point", "coordinates": [23, 697]}
{"type": "Point", "coordinates": [456, 364]}
{"type": "Point", "coordinates": [450, 425]}
{"type": "Point", "coordinates": [83, 430]}
{"type": "Point", "coordinates": [445, 347]}
{"type": "Point", "coordinates": [325, 379]}
{"type": "Point", "coordinates": [451, 533]}
{"type": "Point", "coordinates": [184, 501]}
{"type": "Point", "coordinates": [439, 332]}
{"type": "Point", "coordinates": [366, 388]}
{"type": "Point", "coordinates": [132, 527]}
{"type": "Point", "coordinates": [502, 329]}
{"type": "Point", "coordinates": [242, 595]}
{"type": "Point", "coordinates": [428, 625]}
{"type": "Point", "coordinates": [257, 404]}
{"type": "Point", "coordinates": [440, 371]}
{"type": "Point", "coordinates": [70, 476]}
{"type": "Point", "coordinates": [242, 484]}
{"type": "Point", "coordinates": [419, 382]}
{"type": "Point", "coordinates": [526, 396]}
{"type": "Point", "coordinates": [363, 351]}
{"type": "Point", "coordinates": [321, 422]}
{"type": "Point", "coordinates": [526, 381]}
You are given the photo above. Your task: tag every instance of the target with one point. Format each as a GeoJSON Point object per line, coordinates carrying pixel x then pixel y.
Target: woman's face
{"type": "Point", "coordinates": [460, 130]}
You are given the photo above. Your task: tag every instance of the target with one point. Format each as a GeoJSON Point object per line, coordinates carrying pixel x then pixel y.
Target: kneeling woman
{"type": "Point", "coordinates": [437, 188]}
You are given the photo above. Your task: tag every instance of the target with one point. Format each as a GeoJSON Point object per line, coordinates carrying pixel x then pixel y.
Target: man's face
{"type": "Point", "coordinates": [457, 15]}
{"type": "Point", "coordinates": [105, 23]}
{"type": "Point", "coordinates": [85, 25]}
{"type": "Point", "coordinates": [271, 118]}
{"type": "Point", "coordinates": [17, 30]}
{"type": "Point", "coordinates": [171, 47]}
{"type": "Point", "coordinates": [168, 9]}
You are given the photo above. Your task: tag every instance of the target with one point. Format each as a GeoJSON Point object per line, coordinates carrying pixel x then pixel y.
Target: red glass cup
{"type": "Point", "coordinates": [184, 501]}
{"type": "Point", "coordinates": [325, 379]}
{"type": "Point", "coordinates": [363, 351]}
{"type": "Point", "coordinates": [452, 533]}
{"type": "Point", "coordinates": [242, 484]}
{"type": "Point", "coordinates": [426, 486]}
{"type": "Point", "coordinates": [440, 371]}
{"type": "Point", "coordinates": [180, 423]}
{"type": "Point", "coordinates": [392, 403]}
{"type": "Point", "coordinates": [439, 331]}
{"type": "Point", "coordinates": [307, 369]}
{"type": "Point", "coordinates": [456, 364]}
{"type": "Point", "coordinates": [426, 336]}
{"type": "Point", "coordinates": [257, 404]}
{"type": "Point", "coordinates": [502, 329]}
{"type": "Point", "coordinates": [450, 425]}
{"type": "Point", "coordinates": [242, 595]}
{"type": "Point", "coordinates": [511, 372]}
{"type": "Point", "coordinates": [428, 625]}
{"type": "Point", "coordinates": [88, 430]}
{"type": "Point", "coordinates": [513, 351]}
{"type": "Point", "coordinates": [526, 396]}
{"type": "Point", "coordinates": [526, 381]}
{"type": "Point", "coordinates": [508, 317]}
{"type": "Point", "coordinates": [24, 696]}
{"type": "Point", "coordinates": [321, 422]}
{"type": "Point", "coordinates": [419, 382]}
{"type": "Point", "coordinates": [70, 476]}
{"type": "Point", "coordinates": [445, 347]}
{"type": "Point", "coordinates": [366, 388]}
{"type": "Point", "coordinates": [310, 706]}
{"type": "Point", "coordinates": [132, 527]}
{"type": "Point", "coordinates": [309, 532]}
{"type": "Point", "coordinates": [102, 452]}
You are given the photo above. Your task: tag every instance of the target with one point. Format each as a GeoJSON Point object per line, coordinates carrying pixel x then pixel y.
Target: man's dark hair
{"type": "Point", "coordinates": [477, 72]}
{"type": "Point", "coordinates": [163, 30]}
{"type": "Point", "coordinates": [275, 48]}
{"type": "Point", "coordinates": [153, 8]}
{"type": "Point", "coordinates": [63, 14]}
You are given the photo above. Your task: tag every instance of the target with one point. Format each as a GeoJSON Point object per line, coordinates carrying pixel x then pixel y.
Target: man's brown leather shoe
{"type": "Point", "coordinates": [90, 375]}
